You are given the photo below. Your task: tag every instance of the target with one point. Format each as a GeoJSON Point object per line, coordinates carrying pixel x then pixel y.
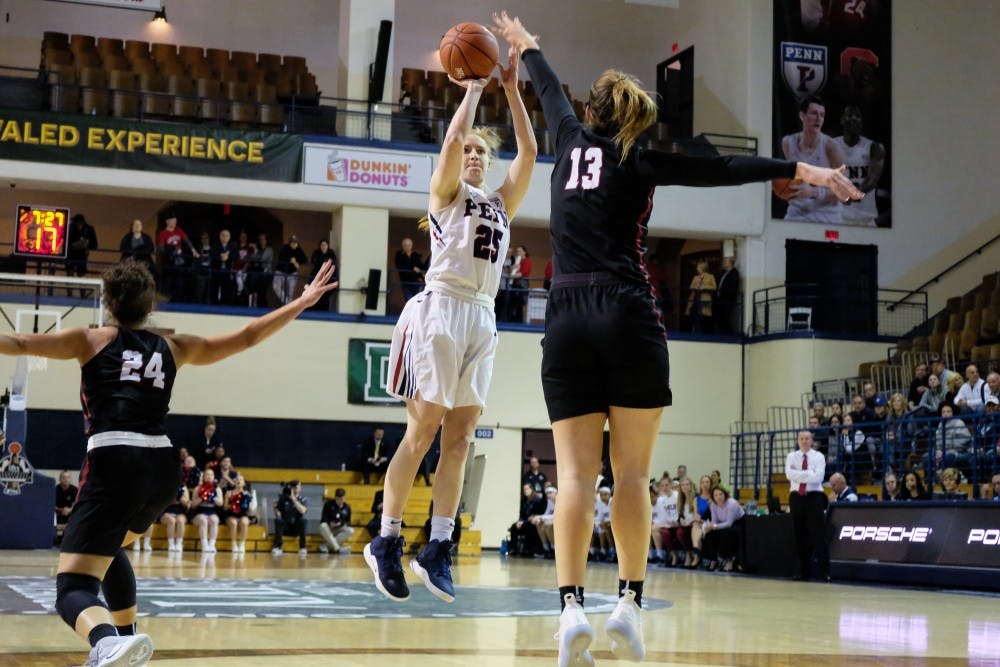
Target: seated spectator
{"type": "Point", "coordinates": [190, 474]}
{"type": "Point", "coordinates": [290, 517]}
{"type": "Point", "coordinates": [988, 436]}
{"type": "Point", "coordinates": [834, 443]}
{"type": "Point", "coordinates": [224, 471]}
{"type": "Point", "coordinates": [717, 481]}
{"type": "Point", "coordinates": [523, 535]}
{"type": "Point", "coordinates": [543, 523]}
{"type": "Point", "coordinates": [898, 432]}
{"type": "Point", "coordinates": [286, 269]}
{"type": "Point", "coordinates": [954, 385]}
{"type": "Point", "coordinates": [949, 486]}
{"type": "Point", "coordinates": [821, 435]}
{"type": "Point", "coordinates": [174, 517]}
{"type": "Point", "coordinates": [993, 385]}
{"type": "Point", "coordinates": [913, 487]}
{"type": "Point", "coordinates": [860, 412]}
{"type": "Point", "coordinates": [995, 489]}
{"type": "Point", "coordinates": [842, 493]}
{"type": "Point", "coordinates": [869, 393]}
{"type": "Point", "coordinates": [722, 533]}
{"type": "Point", "coordinates": [937, 367]}
{"type": "Point", "coordinates": [335, 524]}
{"type": "Point", "coordinates": [682, 472]}
{"type": "Point", "coordinates": [972, 394]}
{"type": "Point", "coordinates": [376, 452]}
{"type": "Point", "coordinates": [604, 539]}
{"type": "Point", "coordinates": [687, 519]}
{"type": "Point", "coordinates": [932, 399]}
{"type": "Point", "coordinates": [144, 541]}
{"type": "Point", "coordinates": [890, 488]}
{"type": "Point", "coordinates": [664, 516]}
{"type": "Point", "coordinates": [207, 501]}
{"type": "Point", "coordinates": [534, 475]}
{"type": "Point", "coordinates": [918, 386]}
{"type": "Point", "coordinates": [65, 499]}
{"type": "Point", "coordinates": [819, 412]}
{"type": "Point", "coordinates": [875, 435]}
{"type": "Point", "coordinates": [953, 445]}
{"type": "Point", "coordinates": [853, 453]}
{"type": "Point", "coordinates": [836, 410]}
{"type": "Point", "coordinates": [241, 509]}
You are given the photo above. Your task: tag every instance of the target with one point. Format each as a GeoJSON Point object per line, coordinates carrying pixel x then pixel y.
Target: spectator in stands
{"type": "Point", "coordinates": [520, 276]}
{"type": "Point", "coordinates": [534, 475]}
{"type": "Point", "coordinates": [543, 523]}
{"type": "Point", "coordinates": [972, 395]}
{"type": "Point", "coordinates": [949, 486]}
{"type": "Point", "coordinates": [841, 491]}
{"type": "Point", "coordinates": [703, 507]}
{"type": "Point", "coordinates": [175, 249]}
{"type": "Point", "coordinates": [837, 409]}
{"type": "Point", "coordinates": [688, 519]}
{"type": "Point", "coordinates": [290, 517]}
{"type": "Point", "coordinates": [702, 292]}
{"type": "Point", "coordinates": [717, 481]}
{"type": "Point", "coordinates": [139, 246]}
{"type": "Point", "coordinates": [665, 516]}
{"type": "Point", "coordinates": [819, 412]}
{"type": "Point", "coordinates": [834, 453]}
{"type": "Point", "coordinates": [320, 255]}
{"type": "Point", "coordinates": [210, 440]}
{"type": "Point", "coordinates": [261, 273]}
{"type": "Point", "coordinates": [860, 412]}
{"type": "Point", "coordinates": [602, 527]}
{"type": "Point", "coordinates": [201, 276]}
{"type": "Point", "coordinates": [805, 469]}
{"type": "Point", "coordinates": [988, 435]}
{"type": "Point", "coordinates": [335, 523]}
{"type": "Point", "coordinates": [547, 278]}
{"type": "Point", "coordinates": [207, 501]}
{"type": "Point", "coordinates": [410, 266]}
{"type": "Point", "coordinates": [932, 399]}
{"type": "Point", "coordinates": [918, 385]}
{"type": "Point", "coordinates": [937, 367]}
{"type": "Point", "coordinates": [898, 431]}
{"type": "Point", "coordinates": [995, 488]}
{"type": "Point", "coordinates": [993, 384]}
{"type": "Point", "coordinates": [376, 452]}
{"type": "Point", "coordinates": [286, 269]}
{"type": "Point", "coordinates": [853, 454]}
{"type": "Point", "coordinates": [870, 394]}
{"type": "Point", "coordinates": [722, 533]}
{"type": "Point", "coordinates": [953, 442]}
{"type": "Point", "coordinates": [65, 499]}
{"type": "Point", "coordinates": [174, 517]}
{"type": "Point", "coordinates": [223, 281]}
{"type": "Point", "coordinates": [913, 487]}
{"type": "Point", "coordinates": [675, 538]}
{"type": "Point", "coordinates": [240, 508]}
{"type": "Point", "coordinates": [821, 435]}
{"type": "Point", "coordinates": [682, 473]}
{"type": "Point", "coordinates": [954, 385]}
{"type": "Point", "coordinates": [225, 474]}
{"type": "Point", "coordinates": [80, 240]}
{"type": "Point", "coordinates": [726, 298]}
{"type": "Point", "coordinates": [245, 250]}
{"type": "Point", "coordinates": [523, 535]}
{"type": "Point", "coordinates": [704, 498]}
{"type": "Point", "coordinates": [890, 488]}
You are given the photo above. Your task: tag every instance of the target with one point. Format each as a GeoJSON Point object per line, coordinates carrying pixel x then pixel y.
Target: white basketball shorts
{"type": "Point", "coordinates": [443, 348]}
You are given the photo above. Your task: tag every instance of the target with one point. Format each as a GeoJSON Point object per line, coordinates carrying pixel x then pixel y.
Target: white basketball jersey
{"type": "Point", "coordinates": [811, 210]}
{"type": "Point", "coordinates": [857, 158]}
{"type": "Point", "coordinates": [469, 242]}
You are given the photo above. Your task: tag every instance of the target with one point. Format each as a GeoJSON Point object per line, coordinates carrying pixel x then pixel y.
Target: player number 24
{"type": "Point", "coordinates": [132, 362]}
{"type": "Point", "coordinates": [594, 158]}
{"type": "Point", "coordinates": [487, 243]}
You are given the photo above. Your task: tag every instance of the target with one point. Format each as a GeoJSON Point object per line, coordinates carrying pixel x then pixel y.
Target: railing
{"type": "Point", "coordinates": [867, 451]}
{"type": "Point", "coordinates": [771, 304]}
{"type": "Point", "coordinates": [942, 274]}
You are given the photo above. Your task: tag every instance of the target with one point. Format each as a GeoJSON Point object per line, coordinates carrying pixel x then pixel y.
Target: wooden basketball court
{"type": "Point", "coordinates": [259, 609]}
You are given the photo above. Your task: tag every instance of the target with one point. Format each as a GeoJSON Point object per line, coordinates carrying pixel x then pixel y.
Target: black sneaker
{"type": "Point", "coordinates": [433, 564]}
{"type": "Point", "coordinates": [384, 556]}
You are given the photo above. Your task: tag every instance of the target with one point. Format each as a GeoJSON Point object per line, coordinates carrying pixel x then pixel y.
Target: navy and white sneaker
{"type": "Point", "coordinates": [433, 565]}
{"type": "Point", "coordinates": [384, 556]}
{"type": "Point", "coordinates": [127, 651]}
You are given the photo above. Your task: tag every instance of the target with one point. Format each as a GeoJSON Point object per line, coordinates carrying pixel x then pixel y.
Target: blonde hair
{"type": "Point", "coordinates": [492, 141]}
{"type": "Point", "coordinates": [619, 104]}
{"type": "Point", "coordinates": [892, 404]}
{"type": "Point", "coordinates": [954, 382]}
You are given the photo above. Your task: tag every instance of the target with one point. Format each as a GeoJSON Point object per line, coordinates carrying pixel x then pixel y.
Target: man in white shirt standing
{"type": "Point", "coordinates": [972, 395]}
{"type": "Point", "coordinates": [804, 469]}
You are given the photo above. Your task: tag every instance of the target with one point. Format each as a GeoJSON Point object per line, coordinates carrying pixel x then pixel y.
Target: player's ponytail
{"type": "Point", "coordinates": [621, 107]}
{"type": "Point", "coordinates": [129, 292]}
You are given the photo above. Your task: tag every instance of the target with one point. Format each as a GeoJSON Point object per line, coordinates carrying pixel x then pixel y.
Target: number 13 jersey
{"type": "Point", "coordinates": [127, 385]}
{"type": "Point", "coordinates": [469, 242]}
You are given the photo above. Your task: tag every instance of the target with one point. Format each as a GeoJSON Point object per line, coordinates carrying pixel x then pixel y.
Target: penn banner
{"type": "Point", "coordinates": [832, 106]}
{"type": "Point", "coordinates": [100, 141]}
{"type": "Point", "coordinates": [368, 372]}
{"type": "Point", "coordinates": [324, 164]}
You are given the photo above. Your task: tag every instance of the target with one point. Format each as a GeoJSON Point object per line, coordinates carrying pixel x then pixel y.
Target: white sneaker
{"type": "Point", "coordinates": [243, 547]}
{"type": "Point", "coordinates": [125, 651]}
{"type": "Point", "coordinates": [303, 553]}
{"type": "Point", "coordinates": [235, 548]}
{"type": "Point", "coordinates": [276, 551]}
{"type": "Point", "coordinates": [147, 545]}
{"type": "Point", "coordinates": [211, 546]}
{"type": "Point", "coordinates": [624, 628]}
{"type": "Point", "coordinates": [323, 549]}
{"type": "Point", "coordinates": [575, 635]}
{"type": "Point", "coordinates": [137, 545]}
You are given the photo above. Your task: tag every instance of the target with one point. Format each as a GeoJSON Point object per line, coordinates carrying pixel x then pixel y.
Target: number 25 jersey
{"type": "Point", "coordinates": [469, 242]}
{"type": "Point", "coordinates": [127, 385]}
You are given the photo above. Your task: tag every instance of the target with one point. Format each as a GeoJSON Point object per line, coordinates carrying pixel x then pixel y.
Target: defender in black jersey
{"type": "Point", "coordinates": [131, 473]}
{"type": "Point", "coordinates": [604, 353]}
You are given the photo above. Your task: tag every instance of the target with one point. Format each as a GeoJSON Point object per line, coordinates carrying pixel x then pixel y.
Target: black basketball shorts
{"type": "Point", "coordinates": [122, 488]}
{"type": "Point", "coordinates": [604, 346]}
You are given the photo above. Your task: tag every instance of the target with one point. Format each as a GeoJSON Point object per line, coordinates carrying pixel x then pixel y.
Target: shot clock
{"type": "Point", "coordinates": [40, 231]}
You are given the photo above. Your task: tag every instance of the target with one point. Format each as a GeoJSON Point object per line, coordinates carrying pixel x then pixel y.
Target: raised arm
{"type": "Point", "coordinates": [201, 351]}
{"type": "Point", "coordinates": [444, 180]}
{"type": "Point", "coordinates": [515, 185]}
{"type": "Point", "coordinates": [68, 344]}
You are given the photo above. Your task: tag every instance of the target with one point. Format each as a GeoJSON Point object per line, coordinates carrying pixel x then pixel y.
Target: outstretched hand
{"type": "Point", "coordinates": [834, 179]}
{"type": "Point", "coordinates": [473, 85]}
{"type": "Point", "coordinates": [512, 30]}
{"type": "Point", "coordinates": [320, 285]}
{"type": "Point", "coordinates": [508, 75]}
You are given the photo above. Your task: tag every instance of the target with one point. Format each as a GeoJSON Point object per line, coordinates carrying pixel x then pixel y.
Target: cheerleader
{"type": "Point", "coordinates": [241, 506]}
{"type": "Point", "coordinates": [207, 501]}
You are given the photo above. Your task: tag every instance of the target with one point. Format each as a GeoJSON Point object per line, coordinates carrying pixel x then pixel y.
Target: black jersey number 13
{"type": "Point", "coordinates": [132, 362]}
{"type": "Point", "coordinates": [487, 243]}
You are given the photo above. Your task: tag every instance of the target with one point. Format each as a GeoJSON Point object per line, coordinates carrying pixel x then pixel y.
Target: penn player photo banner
{"type": "Point", "coordinates": [368, 372]}
{"type": "Point", "coordinates": [832, 105]}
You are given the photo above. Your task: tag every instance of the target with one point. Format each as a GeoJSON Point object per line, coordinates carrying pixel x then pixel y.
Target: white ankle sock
{"type": "Point", "coordinates": [391, 526]}
{"type": "Point", "coordinates": [442, 528]}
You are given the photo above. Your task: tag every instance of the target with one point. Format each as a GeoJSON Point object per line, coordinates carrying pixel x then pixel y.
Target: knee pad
{"type": "Point", "coordinates": [119, 583]}
{"type": "Point", "coordinates": [75, 593]}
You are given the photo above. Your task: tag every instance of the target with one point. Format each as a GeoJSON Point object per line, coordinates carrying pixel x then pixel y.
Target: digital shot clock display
{"type": "Point", "coordinates": [40, 231]}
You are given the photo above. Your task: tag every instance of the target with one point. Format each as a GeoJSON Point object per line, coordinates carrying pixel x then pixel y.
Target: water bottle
{"type": "Point", "coordinates": [751, 507]}
{"type": "Point", "coordinates": [343, 466]}
{"type": "Point", "coordinates": [504, 547]}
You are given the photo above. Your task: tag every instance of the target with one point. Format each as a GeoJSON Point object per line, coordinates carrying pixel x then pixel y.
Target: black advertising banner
{"type": "Point", "coordinates": [101, 141]}
{"type": "Point", "coordinates": [832, 105]}
{"type": "Point", "coordinates": [945, 534]}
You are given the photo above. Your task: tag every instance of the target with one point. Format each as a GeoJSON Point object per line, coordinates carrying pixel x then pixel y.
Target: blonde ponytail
{"type": "Point", "coordinates": [620, 105]}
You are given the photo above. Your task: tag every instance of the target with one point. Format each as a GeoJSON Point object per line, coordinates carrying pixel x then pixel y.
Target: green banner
{"type": "Point", "coordinates": [368, 372]}
{"type": "Point", "coordinates": [101, 141]}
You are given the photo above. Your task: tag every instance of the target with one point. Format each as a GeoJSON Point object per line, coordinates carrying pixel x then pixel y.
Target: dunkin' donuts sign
{"type": "Point", "coordinates": [340, 167]}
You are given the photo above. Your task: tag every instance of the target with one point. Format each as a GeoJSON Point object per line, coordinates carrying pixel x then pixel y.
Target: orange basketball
{"type": "Point", "coordinates": [784, 188]}
{"type": "Point", "coordinates": [469, 51]}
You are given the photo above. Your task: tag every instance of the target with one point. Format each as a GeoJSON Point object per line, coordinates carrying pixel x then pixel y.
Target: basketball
{"type": "Point", "coordinates": [468, 51]}
{"type": "Point", "coordinates": [784, 188]}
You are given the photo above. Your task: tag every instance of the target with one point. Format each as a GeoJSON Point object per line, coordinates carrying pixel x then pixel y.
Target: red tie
{"type": "Point", "coordinates": [805, 466]}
